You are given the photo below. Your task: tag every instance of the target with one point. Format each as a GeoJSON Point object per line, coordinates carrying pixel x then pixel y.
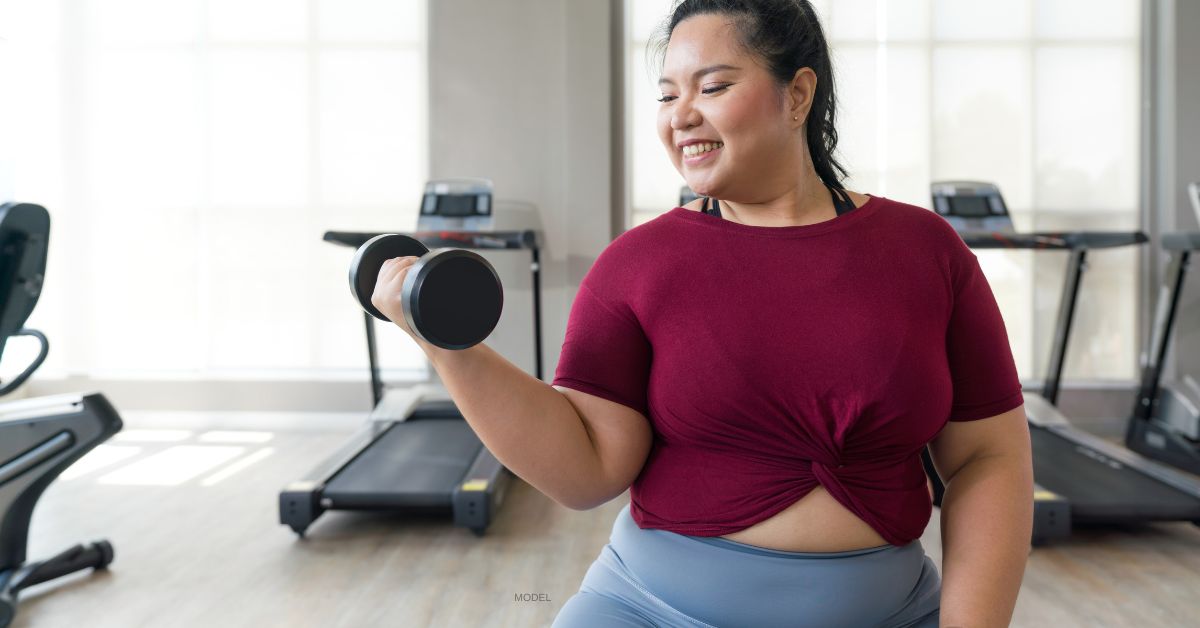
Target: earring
{"type": "Point", "coordinates": [795, 117]}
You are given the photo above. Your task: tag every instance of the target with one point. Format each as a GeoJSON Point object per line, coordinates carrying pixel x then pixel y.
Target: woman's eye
{"type": "Point", "coordinates": [707, 90]}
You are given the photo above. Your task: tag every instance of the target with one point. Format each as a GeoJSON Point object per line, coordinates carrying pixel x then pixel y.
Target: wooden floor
{"type": "Point", "coordinates": [190, 554]}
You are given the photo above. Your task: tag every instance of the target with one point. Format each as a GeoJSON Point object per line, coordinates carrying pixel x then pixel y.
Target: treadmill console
{"type": "Point", "coordinates": [971, 206]}
{"type": "Point", "coordinates": [457, 205]}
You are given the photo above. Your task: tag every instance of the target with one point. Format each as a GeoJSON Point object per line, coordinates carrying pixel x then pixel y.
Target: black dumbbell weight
{"type": "Point", "coordinates": [452, 298]}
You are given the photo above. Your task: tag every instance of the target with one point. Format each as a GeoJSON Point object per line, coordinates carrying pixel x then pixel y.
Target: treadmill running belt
{"type": "Point", "coordinates": [1102, 490]}
{"type": "Point", "coordinates": [412, 464]}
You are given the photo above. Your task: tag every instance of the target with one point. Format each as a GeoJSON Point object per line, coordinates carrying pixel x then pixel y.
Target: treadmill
{"type": "Point", "coordinates": [1165, 421]}
{"type": "Point", "coordinates": [1092, 480]}
{"type": "Point", "coordinates": [416, 453]}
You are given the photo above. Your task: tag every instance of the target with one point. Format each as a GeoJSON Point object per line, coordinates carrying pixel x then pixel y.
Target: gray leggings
{"type": "Point", "coordinates": [660, 578]}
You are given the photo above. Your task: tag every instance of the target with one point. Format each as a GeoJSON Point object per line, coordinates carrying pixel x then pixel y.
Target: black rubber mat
{"type": "Point", "coordinates": [416, 463]}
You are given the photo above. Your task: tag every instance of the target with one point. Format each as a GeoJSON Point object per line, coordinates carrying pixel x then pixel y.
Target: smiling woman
{"type": "Point", "coordinates": [753, 83]}
{"type": "Point", "coordinates": [788, 411]}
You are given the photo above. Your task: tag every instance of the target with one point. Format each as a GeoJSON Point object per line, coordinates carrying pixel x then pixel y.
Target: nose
{"type": "Point", "coordinates": [685, 116]}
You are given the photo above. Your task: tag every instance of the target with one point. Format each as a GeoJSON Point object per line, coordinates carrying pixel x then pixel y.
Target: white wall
{"type": "Point", "coordinates": [520, 94]}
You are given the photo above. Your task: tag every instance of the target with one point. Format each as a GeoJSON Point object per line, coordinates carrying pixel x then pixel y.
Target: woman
{"type": "Point", "coordinates": [764, 367]}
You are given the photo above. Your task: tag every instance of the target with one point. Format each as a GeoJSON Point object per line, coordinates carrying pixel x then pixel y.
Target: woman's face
{"type": "Point", "coordinates": [724, 120]}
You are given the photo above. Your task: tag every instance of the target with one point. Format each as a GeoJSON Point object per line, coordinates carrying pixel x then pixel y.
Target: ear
{"type": "Point", "coordinates": [800, 95]}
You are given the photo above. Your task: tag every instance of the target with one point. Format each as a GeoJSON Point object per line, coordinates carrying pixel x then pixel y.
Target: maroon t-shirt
{"type": "Point", "coordinates": [773, 359]}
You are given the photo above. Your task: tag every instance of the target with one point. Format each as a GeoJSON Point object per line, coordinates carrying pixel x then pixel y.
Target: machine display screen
{"type": "Point", "coordinates": [454, 205]}
{"type": "Point", "coordinates": [969, 206]}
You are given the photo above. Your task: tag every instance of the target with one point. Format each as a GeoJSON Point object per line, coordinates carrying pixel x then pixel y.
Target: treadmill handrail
{"type": "Point", "coordinates": [1078, 243]}
{"type": "Point", "coordinates": [522, 239]}
{"type": "Point", "coordinates": [1180, 244]}
{"type": "Point", "coordinates": [1056, 240]}
{"type": "Point", "coordinates": [1181, 241]}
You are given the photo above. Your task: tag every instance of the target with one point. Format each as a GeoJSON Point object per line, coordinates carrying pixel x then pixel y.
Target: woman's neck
{"type": "Point", "coordinates": [807, 203]}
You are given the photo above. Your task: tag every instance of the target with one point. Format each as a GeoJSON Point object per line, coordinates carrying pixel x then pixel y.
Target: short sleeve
{"type": "Point", "coordinates": [982, 369]}
{"type": "Point", "coordinates": [605, 352]}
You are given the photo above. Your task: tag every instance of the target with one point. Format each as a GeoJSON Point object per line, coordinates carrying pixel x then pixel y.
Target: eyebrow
{"type": "Point", "coordinates": [701, 72]}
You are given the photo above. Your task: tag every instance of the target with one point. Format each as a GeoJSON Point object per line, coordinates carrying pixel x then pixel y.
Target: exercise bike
{"type": "Point", "coordinates": [39, 438]}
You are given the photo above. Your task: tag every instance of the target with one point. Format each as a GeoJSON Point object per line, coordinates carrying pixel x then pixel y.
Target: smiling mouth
{"type": "Point", "coordinates": [696, 150]}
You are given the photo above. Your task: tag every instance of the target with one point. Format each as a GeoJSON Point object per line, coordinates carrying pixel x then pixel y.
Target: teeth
{"type": "Point", "coordinates": [697, 149]}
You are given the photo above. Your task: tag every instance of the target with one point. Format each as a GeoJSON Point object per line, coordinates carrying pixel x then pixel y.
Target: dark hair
{"type": "Point", "coordinates": [787, 36]}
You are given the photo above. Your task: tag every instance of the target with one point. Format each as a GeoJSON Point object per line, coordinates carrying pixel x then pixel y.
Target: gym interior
{"type": "Point", "coordinates": [202, 425]}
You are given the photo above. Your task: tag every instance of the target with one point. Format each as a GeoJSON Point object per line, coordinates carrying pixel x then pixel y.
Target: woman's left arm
{"type": "Point", "coordinates": [987, 517]}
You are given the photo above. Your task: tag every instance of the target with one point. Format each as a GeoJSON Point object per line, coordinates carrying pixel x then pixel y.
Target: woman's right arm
{"type": "Point", "coordinates": [578, 449]}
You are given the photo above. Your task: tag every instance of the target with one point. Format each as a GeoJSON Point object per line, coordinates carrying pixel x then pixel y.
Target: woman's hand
{"type": "Point", "coordinates": [387, 297]}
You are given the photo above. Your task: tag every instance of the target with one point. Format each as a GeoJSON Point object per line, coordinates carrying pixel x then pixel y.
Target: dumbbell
{"type": "Point", "coordinates": [451, 297]}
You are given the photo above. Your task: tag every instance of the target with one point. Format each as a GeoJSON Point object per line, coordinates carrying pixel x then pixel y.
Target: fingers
{"type": "Point", "coordinates": [387, 283]}
{"type": "Point", "coordinates": [393, 267]}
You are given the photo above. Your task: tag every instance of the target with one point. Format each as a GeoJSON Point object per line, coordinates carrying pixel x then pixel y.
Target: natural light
{"type": "Point", "coordinates": [102, 456]}
{"type": "Point", "coordinates": [182, 131]}
{"type": "Point", "coordinates": [172, 466]}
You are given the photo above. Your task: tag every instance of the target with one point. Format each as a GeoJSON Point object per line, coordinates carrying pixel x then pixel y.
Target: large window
{"type": "Point", "coordinates": [1040, 97]}
{"type": "Point", "coordinates": [191, 153]}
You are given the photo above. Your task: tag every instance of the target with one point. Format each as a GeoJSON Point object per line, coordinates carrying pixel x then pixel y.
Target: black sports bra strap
{"type": "Point", "coordinates": [842, 203]}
